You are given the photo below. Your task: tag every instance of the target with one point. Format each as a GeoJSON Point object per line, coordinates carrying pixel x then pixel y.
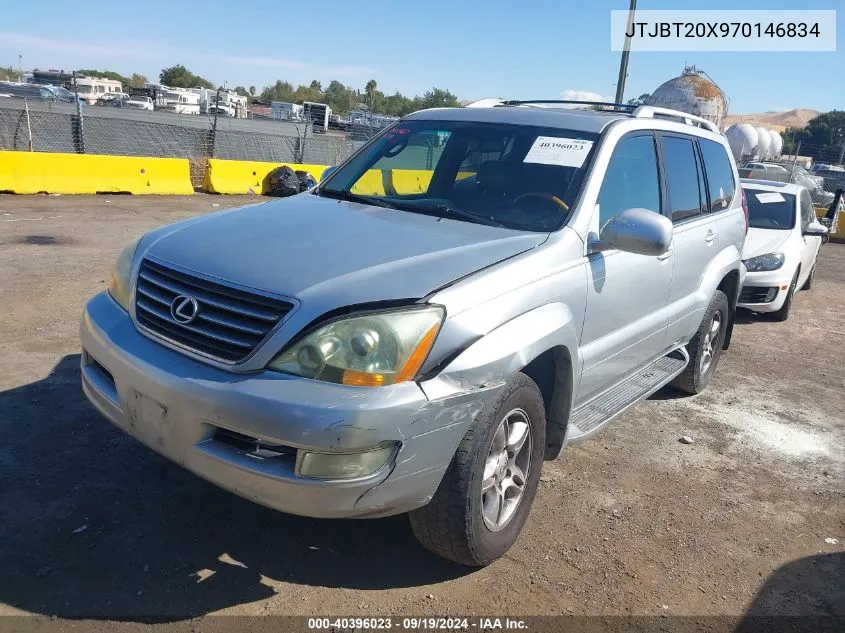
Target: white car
{"type": "Point", "coordinates": [140, 102]}
{"type": "Point", "coordinates": [766, 167]}
{"type": "Point", "coordinates": [781, 247]}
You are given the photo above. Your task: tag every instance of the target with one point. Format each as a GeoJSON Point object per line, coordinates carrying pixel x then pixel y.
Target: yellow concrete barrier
{"type": "Point", "coordinates": [839, 236]}
{"type": "Point", "coordinates": [244, 176]}
{"type": "Point", "coordinates": [397, 182]}
{"type": "Point", "coordinates": [43, 172]}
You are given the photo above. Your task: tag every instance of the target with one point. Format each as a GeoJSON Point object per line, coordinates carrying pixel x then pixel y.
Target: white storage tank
{"type": "Point", "coordinates": [693, 92]}
{"type": "Point", "coordinates": [764, 143]}
{"type": "Point", "coordinates": [777, 145]}
{"type": "Point", "coordinates": [742, 139]}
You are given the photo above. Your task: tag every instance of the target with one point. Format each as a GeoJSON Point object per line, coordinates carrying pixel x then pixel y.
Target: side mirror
{"type": "Point", "coordinates": [327, 172]}
{"type": "Point", "coordinates": [638, 231]}
{"type": "Point", "coordinates": [815, 229]}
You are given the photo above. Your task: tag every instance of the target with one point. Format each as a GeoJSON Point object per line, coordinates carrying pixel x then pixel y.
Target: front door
{"type": "Point", "coordinates": [627, 294]}
{"type": "Point", "coordinates": [811, 243]}
{"type": "Point", "coordinates": [695, 228]}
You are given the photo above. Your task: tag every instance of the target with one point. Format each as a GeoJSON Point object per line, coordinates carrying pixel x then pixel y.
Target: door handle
{"type": "Point", "coordinates": [665, 256]}
{"type": "Point", "coordinates": [710, 237]}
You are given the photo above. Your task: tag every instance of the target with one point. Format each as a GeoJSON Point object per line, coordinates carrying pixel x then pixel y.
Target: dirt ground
{"type": "Point", "coordinates": [634, 522]}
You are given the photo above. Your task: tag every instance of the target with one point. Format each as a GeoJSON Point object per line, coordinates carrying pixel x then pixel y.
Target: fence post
{"type": "Point", "coordinates": [212, 138]}
{"type": "Point", "coordinates": [77, 124]}
{"type": "Point", "coordinates": [28, 123]}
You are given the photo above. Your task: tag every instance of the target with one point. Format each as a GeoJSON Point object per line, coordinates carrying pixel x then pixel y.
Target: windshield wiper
{"type": "Point", "coordinates": [354, 197]}
{"type": "Point", "coordinates": [444, 210]}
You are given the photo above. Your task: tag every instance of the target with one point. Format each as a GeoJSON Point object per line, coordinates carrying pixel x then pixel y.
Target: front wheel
{"type": "Point", "coordinates": [783, 313]}
{"type": "Point", "coordinates": [705, 348]}
{"type": "Point", "coordinates": [486, 494]}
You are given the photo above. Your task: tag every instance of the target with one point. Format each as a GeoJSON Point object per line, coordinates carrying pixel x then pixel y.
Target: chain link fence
{"type": "Point", "coordinates": [817, 168]}
{"type": "Point", "coordinates": [44, 126]}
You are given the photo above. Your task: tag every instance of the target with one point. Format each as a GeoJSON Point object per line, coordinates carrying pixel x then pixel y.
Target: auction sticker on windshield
{"type": "Point", "coordinates": [770, 197]}
{"type": "Point", "coordinates": [566, 152]}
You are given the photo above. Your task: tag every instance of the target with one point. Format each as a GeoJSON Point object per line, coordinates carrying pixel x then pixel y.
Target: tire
{"type": "Point", "coordinates": [454, 524]}
{"type": "Point", "coordinates": [808, 283]}
{"type": "Point", "coordinates": [783, 313]}
{"type": "Point", "coordinates": [705, 348]}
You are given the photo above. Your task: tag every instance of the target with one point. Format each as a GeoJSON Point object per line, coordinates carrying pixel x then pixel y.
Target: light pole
{"type": "Point", "coordinates": [626, 51]}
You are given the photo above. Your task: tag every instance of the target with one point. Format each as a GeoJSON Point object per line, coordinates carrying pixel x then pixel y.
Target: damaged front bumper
{"type": "Point", "coordinates": [244, 432]}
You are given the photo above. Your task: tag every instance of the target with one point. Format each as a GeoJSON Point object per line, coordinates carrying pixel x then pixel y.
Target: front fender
{"type": "Point", "coordinates": [502, 352]}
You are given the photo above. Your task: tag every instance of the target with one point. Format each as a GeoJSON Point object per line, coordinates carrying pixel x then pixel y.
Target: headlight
{"type": "Point", "coordinates": [344, 465]}
{"type": "Point", "coordinates": [372, 350]}
{"type": "Point", "coordinates": [121, 283]}
{"type": "Point", "coordinates": [769, 261]}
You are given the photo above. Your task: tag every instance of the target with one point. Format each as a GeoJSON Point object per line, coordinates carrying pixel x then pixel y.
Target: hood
{"type": "Point", "coordinates": [337, 253]}
{"type": "Point", "coordinates": [762, 241]}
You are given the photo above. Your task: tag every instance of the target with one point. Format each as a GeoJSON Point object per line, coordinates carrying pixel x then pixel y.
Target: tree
{"type": "Point", "coordinates": [8, 74]}
{"type": "Point", "coordinates": [180, 77]}
{"type": "Point", "coordinates": [341, 99]}
{"type": "Point", "coordinates": [370, 89]}
{"type": "Point", "coordinates": [240, 90]}
{"type": "Point", "coordinates": [252, 91]}
{"type": "Point", "coordinates": [641, 100]}
{"type": "Point", "coordinates": [316, 85]}
{"type": "Point", "coordinates": [437, 98]}
{"type": "Point", "coordinates": [822, 138]}
{"type": "Point", "coordinates": [104, 74]}
{"type": "Point", "coordinates": [279, 91]}
{"type": "Point", "coordinates": [138, 81]}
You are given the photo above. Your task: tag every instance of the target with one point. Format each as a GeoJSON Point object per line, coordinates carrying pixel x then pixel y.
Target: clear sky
{"type": "Point", "coordinates": [492, 48]}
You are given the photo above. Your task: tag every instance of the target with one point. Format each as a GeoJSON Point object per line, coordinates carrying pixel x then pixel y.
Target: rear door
{"type": "Point", "coordinates": [695, 235]}
{"type": "Point", "coordinates": [811, 243]}
{"type": "Point", "coordinates": [625, 318]}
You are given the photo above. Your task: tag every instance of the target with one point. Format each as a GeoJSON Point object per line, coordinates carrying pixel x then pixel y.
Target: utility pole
{"type": "Point", "coordinates": [20, 68]}
{"type": "Point", "coordinates": [842, 151]}
{"type": "Point", "coordinates": [626, 51]}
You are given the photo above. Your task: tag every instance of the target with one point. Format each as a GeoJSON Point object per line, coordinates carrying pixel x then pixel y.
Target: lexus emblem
{"type": "Point", "coordinates": [184, 309]}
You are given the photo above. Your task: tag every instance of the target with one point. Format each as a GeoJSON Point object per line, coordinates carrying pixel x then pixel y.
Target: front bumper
{"type": "Point", "coordinates": [176, 406]}
{"type": "Point", "coordinates": [765, 291]}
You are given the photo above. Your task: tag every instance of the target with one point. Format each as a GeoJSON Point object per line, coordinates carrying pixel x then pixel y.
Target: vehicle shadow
{"type": "Point", "coordinates": [807, 594]}
{"type": "Point", "coordinates": [747, 317]}
{"type": "Point", "coordinates": [95, 525]}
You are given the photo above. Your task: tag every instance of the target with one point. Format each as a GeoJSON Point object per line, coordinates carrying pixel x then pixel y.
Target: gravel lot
{"type": "Point", "coordinates": [634, 522]}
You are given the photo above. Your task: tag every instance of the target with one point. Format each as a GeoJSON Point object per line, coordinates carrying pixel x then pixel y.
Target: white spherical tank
{"type": "Point", "coordinates": [742, 139]}
{"type": "Point", "coordinates": [764, 143]}
{"type": "Point", "coordinates": [777, 145]}
{"type": "Point", "coordinates": [692, 92]}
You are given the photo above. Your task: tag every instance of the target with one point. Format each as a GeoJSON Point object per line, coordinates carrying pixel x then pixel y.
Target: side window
{"type": "Point", "coordinates": [682, 175]}
{"type": "Point", "coordinates": [808, 213]}
{"type": "Point", "coordinates": [720, 176]}
{"type": "Point", "coordinates": [631, 179]}
{"type": "Point", "coordinates": [702, 184]}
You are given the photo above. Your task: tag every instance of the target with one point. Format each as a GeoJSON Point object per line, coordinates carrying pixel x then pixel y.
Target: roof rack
{"type": "Point", "coordinates": [651, 112]}
{"type": "Point", "coordinates": [516, 102]}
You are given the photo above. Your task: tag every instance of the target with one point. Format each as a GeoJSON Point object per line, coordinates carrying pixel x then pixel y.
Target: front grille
{"type": "Point", "coordinates": [229, 324]}
{"type": "Point", "coordinates": [758, 294]}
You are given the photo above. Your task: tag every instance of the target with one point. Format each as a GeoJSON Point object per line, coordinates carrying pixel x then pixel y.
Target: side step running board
{"type": "Point", "coordinates": [590, 417]}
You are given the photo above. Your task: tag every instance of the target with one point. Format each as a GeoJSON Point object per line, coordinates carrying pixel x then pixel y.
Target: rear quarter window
{"type": "Point", "coordinates": [720, 175]}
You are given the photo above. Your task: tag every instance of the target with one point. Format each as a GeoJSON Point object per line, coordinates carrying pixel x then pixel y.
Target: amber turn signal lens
{"type": "Point", "coordinates": [362, 379]}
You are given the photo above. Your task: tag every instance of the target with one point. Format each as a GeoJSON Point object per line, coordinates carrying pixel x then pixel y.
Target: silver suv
{"type": "Point", "coordinates": [467, 294]}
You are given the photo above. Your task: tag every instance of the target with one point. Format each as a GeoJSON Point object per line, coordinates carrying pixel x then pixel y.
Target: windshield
{"type": "Point", "coordinates": [770, 210]}
{"type": "Point", "coordinates": [516, 176]}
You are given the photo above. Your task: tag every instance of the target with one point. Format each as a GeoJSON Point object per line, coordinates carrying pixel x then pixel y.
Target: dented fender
{"type": "Point", "coordinates": [493, 358]}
